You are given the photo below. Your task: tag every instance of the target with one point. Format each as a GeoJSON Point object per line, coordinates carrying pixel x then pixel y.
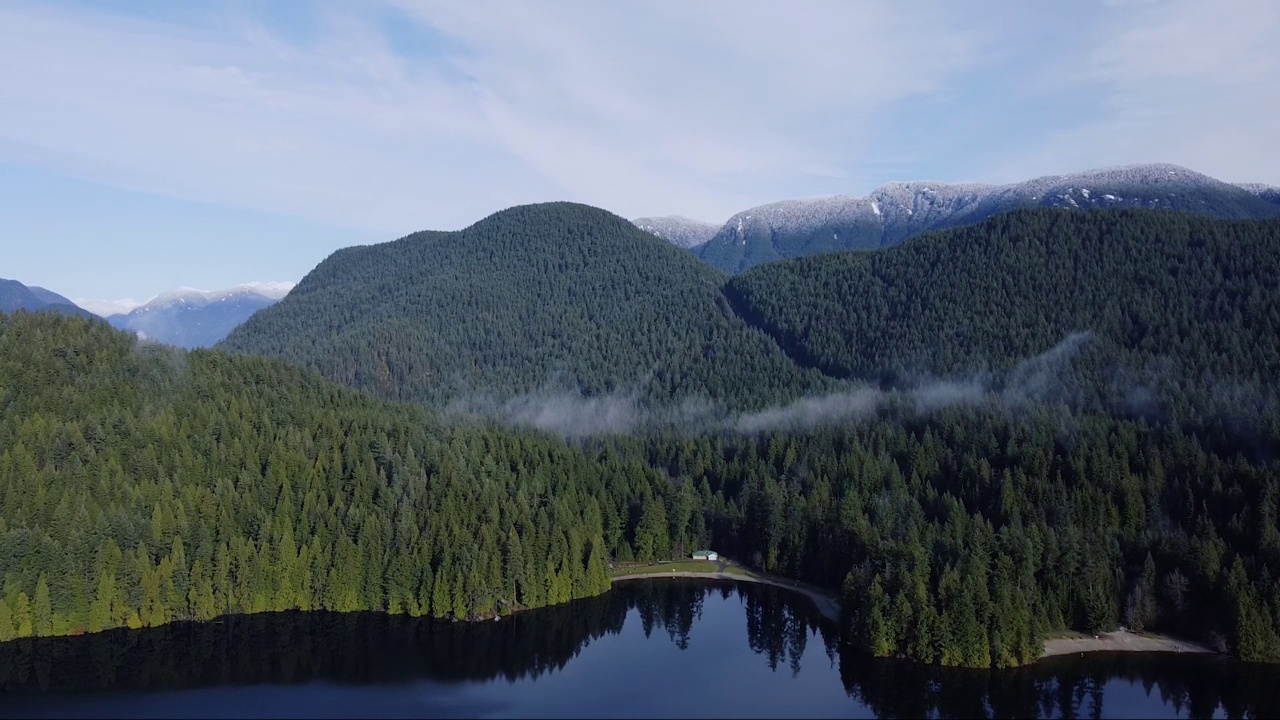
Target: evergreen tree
{"type": "Point", "coordinates": [22, 620]}
{"type": "Point", "coordinates": [42, 610]}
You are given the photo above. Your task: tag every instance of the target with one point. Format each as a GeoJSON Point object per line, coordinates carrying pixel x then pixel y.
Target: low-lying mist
{"type": "Point", "coordinates": [572, 415]}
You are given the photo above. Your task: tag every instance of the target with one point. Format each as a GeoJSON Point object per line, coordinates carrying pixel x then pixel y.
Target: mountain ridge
{"type": "Point", "coordinates": [15, 296]}
{"type": "Point", "coordinates": [1167, 310]}
{"type": "Point", "coordinates": [191, 318]}
{"type": "Point", "coordinates": [898, 210]}
{"type": "Point", "coordinates": [553, 297]}
{"type": "Point", "coordinates": [679, 230]}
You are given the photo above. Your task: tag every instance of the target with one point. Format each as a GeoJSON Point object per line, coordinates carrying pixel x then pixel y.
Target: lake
{"type": "Point", "coordinates": [650, 648]}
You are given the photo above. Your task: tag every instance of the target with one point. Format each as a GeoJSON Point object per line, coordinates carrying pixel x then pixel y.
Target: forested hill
{"type": "Point", "coordinates": [557, 295]}
{"type": "Point", "coordinates": [1168, 311]}
{"type": "Point", "coordinates": [140, 484]}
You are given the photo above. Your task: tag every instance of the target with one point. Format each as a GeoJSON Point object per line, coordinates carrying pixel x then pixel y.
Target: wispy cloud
{"type": "Point", "coordinates": [570, 414]}
{"type": "Point", "coordinates": [695, 108]}
{"type": "Point", "coordinates": [1179, 81]}
{"type": "Point", "coordinates": [106, 308]}
{"type": "Point", "coordinates": [455, 110]}
{"type": "Point", "coordinates": [343, 130]}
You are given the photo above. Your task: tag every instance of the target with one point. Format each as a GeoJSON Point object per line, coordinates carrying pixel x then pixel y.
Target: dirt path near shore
{"type": "Point", "coordinates": [1120, 641]}
{"type": "Point", "coordinates": [827, 605]}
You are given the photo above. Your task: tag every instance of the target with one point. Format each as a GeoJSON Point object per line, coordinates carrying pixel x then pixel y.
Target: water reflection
{"type": "Point", "coordinates": [363, 649]}
{"type": "Point", "coordinates": [1089, 686]}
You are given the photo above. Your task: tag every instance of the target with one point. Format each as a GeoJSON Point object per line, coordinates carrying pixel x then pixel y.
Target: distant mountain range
{"type": "Point", "coordinates": [192, 318]}
{"type": "Point", "coordinates": [16, 296]}
{"type": "Point", "coordinates": [536, 308]}
{"type": "Point", "coordinates": [678, 230]}
{"type": "Point", "coordinates": [897, 211]}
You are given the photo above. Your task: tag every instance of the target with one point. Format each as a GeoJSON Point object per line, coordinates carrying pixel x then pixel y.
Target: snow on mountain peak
{"type": "Point", "coordinates": [187, 295]}
{"type": "Point", "coordinates": [272, 290]}
{"type": "Point", "coordinates": [897, 210]}
{"type": "Point", "coordinates": [678, 229]}
{"type": "Point", "coordinates": [190, 317]}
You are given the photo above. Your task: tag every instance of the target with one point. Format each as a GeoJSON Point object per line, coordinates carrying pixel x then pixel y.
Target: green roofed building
{"type": "Point", "coordinates": [711, 555]}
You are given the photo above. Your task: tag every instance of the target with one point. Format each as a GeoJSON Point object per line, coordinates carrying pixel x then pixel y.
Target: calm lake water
{"type": "Point", "coordinates": [650, 648]}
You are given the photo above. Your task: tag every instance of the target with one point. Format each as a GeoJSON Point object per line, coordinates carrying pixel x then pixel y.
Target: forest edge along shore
{"type": "Point", "coordinates": [1120, 640]}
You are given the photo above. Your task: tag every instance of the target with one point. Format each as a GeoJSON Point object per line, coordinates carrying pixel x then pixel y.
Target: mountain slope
{"type": "Point", "coordinates": [1178, 309]}
{"type": "Point", "coordinates": [16, 296]}
{"type": "Point", "coordinates": [554, 296]}
{"type": "Point", "coordinates": [1270, 193]}
{"type": "Point", "coordinates": [897, 211]}
{"type": "Point", "coordinates": [192, 318]}
{"type": "Point", "coordinates": [678, 230]}
{"type": "Point", "coordinates": [142, 484]}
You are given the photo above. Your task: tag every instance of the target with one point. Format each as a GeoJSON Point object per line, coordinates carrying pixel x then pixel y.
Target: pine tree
{"type": "Point", "coordinates": [201, 602]}
{"type": "Point", "coordinates": [22, 620]}
{"type": "Point", "coordinates": [42, 611]}
{"type": "Point", "coordinates": [7, 629]}
{"type": "Point", "coordinates": [441, 596]}
{"type": "Point", "coordinates": [880, 638]}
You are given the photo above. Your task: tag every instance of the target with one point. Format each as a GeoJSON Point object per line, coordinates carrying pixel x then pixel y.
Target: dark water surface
{"type": "Point", "coordinates": [650, 648]}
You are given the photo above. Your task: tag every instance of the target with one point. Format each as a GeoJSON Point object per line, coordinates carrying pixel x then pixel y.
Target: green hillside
{"type": "Point", "coordinates": [558, 295]}
{"type": "Point", "coordinates": [1175, 309]}
{"type": "Point", "coordinates": [15, 296]}
{"type": "Point", "coordinates": [140, 484]}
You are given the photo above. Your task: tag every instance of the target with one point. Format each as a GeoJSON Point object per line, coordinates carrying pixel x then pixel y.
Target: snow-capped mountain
{"type": "Point", "coordinates": [16, 296]}
{"type": "Point", "coordinates": [896, 211]}
{"type": "Point", "coordinates": [1270, 193]}
{"type": "Point", "coordinates": [678, 230]}
{"type": "Point", "coordinates": [191, 318]}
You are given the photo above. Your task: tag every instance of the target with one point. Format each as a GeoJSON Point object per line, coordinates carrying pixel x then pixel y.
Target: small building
{"type": "Point", "coordinates": [709, 555]}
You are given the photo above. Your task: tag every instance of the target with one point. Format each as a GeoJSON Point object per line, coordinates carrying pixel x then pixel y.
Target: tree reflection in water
{"type": "Point", "coordinates": [368, 648]}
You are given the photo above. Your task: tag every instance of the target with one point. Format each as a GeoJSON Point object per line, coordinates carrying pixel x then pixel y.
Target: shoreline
{"type": "Point", "coordinates": [827, 605]}
{"type": "Point", "coordinates": [1121, 641]}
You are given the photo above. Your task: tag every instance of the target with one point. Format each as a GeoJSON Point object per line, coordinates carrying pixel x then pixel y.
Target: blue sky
{"type": "Point", "coordinates": [146, 146]}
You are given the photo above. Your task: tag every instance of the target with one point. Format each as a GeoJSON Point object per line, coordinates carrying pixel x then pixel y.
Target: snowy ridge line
{"type": "Point", "coordinates": [678, 229]}
{"type": "Point", "coordinates": [898, 210]}
{"type": "Point", "coordinates": [897, 199]}
{"type": "Point", "coordinates": [188, 295]}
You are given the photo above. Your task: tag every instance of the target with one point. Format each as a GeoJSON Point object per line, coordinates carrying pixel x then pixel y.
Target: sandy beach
{"type": "Point", "coordinates": [1120, 641]}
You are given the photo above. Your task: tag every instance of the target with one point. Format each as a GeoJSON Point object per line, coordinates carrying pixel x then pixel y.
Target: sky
{"type": "Point", "coordinates": [146, 146]}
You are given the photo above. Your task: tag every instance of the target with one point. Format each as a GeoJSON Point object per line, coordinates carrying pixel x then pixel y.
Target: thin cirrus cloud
{"type": "Point", "coordinates": [640, 107]}
{"type": "Point", "coordinates": [1180, 81]}
{"type": "Point", "coordinates": [399, 115]}
{"type": "Point", "coordinates": [342, 131]}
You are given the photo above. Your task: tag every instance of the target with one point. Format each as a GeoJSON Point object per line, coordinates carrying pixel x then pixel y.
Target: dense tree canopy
{"type": "Point", "coordinates": [1180, 312]}
{"type": "Point", "coordinates": [163, 485]}
{"type": "Point", "coordinates": [962, 537]}
{"type": "Point", "coordinates": [555, 295]}
{"type": "Point", "coordinates": [141, 484]}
